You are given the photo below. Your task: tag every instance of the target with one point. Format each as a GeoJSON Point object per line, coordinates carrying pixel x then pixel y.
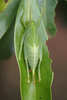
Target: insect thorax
{"type": "Point", "coordinates": [31, 25]}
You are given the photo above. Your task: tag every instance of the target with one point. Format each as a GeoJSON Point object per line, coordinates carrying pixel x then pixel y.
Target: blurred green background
{"type": "Point", "coordinates": [57, 46]}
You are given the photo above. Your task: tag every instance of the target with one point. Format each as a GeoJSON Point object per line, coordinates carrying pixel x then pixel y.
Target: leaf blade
{"type": "Point", "coordinates": [33, 91]}
{"type": "Point", "coordinates": [7, 16]}
{"type": "Point", "coordinates": [48, 16]}
{"type": "Point", "coordinates": [4, 4]}
{"type": "Point", "coordinates": [7, 43]}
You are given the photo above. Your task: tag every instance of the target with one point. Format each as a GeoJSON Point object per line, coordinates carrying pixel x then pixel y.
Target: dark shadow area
{"type": "Point", "coordinates": [57, 47]}
{"type": "Point", "coordinates": [9, 80]}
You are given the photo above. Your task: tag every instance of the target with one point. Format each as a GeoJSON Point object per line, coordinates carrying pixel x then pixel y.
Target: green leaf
{"type": "Point", "coordinates": [4, 4]}
{"type": "Point", "coordinates": [7, 43]}
{"type": "Point", "coordinates": [7, 16]}
{"type": "Point", "coordinates": [48, 16]}
{"type": "Point", "coordinates": [39, 90]}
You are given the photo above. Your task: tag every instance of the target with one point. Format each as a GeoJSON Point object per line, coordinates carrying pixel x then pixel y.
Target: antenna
{"type": "Point", "coordinates": [31, 10]}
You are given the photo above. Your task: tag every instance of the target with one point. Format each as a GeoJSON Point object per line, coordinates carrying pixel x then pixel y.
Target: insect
{"type": "Point", "coordinates": [32, 46]}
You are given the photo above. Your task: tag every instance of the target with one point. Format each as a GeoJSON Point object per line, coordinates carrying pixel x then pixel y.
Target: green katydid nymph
{"type": "Point", "coordinates": [32, 46]}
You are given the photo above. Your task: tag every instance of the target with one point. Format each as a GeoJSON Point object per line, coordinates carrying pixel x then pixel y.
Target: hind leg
{"type": "Point", "coordinates": [27, 67]}
{"type": "Point", "coordinates": [40, 64]}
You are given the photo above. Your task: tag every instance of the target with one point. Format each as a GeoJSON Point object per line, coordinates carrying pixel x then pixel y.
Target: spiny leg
{"type": "Point", "coordinates": [33, 75]}
{"type": "Point", "coordinates": [38, 23]}
{"type": "Point", "coordinates": [39, 71]}
{"type": "Point", "coordinates": [22, 18]}
{"type": "Point", "coordinates": [23, 23]}
{"type": "Point", "coordinates": [40, 64]}
{"type": "Point", "coordinates": [27, 67]}
{"type": "Point", "coordinates": [21, 47]}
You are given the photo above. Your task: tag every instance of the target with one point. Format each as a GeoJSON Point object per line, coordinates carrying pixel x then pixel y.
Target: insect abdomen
{"type": "Point", "coordinates": [32, 54]}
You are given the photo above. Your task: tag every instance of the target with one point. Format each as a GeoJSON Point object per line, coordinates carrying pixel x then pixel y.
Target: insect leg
{"type": "Point", "coordinates": [33, 75]}
{"type": "Point", "coordinates": [22, 18]}
{"type": "Point", "coordinates": [38, 23]}
{"type": "Point", "coordinates": [27, 67]}
{"type": "Point", "coordinates": [21, 47]}
{"type": "Point", "coordinates": [40, 64]}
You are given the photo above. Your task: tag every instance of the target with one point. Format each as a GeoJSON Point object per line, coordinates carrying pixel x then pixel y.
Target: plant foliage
{"type": "Point", "coordinates": [39, 90]}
